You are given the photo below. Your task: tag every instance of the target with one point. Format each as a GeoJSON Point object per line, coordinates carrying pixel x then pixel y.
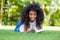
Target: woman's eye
{"type": "Point", "coordinates": [34, 14]}
{"type": "Point", "coordinates": [30, 14]}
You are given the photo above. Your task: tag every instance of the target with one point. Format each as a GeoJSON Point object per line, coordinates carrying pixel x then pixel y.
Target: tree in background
{"type": "Point", "coordinates": [12, 10]}
{"type": "Point", "coordinates": [1, 11]}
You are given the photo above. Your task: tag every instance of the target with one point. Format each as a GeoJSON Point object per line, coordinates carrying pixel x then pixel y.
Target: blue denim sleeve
{"type": "Point", "coordinates": [18, 26]}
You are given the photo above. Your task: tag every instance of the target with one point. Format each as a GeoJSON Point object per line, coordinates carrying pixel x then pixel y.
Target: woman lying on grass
{"type": "Point", "coordinates": [32, 18]}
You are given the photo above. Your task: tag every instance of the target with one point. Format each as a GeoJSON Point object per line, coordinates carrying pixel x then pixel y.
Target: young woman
{"type": "Point", "coordinates": [32, 18]}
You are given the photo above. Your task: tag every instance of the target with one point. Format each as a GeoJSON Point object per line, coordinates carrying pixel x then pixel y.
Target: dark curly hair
{"type": "Point", "coordinates": [25, 14]}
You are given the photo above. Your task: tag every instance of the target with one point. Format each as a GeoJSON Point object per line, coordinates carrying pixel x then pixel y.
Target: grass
{"type": "Point", "coordinates": [46, 35]}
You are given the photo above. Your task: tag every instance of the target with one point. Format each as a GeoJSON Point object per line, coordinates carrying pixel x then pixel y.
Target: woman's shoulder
{"type": "Point", "coordinates": [22, 25]}
{"type": "Point", "coordinates": [22, 28]}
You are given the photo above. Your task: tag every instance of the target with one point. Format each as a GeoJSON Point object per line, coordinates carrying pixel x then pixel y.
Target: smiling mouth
{"type": "Point", "coordinates": [32, 18]}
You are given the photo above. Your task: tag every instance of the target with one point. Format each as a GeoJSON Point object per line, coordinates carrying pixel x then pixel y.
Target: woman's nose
{"type": "Point", "coordinates": [32, 16]}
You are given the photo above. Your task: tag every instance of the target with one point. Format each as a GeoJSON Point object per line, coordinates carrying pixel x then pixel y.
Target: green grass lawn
{"type": "Point", "coordinates": [46, 35]}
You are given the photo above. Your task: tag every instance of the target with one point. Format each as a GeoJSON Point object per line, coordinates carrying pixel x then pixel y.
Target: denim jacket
{"type": "Point", "coordinates": [18, 26]}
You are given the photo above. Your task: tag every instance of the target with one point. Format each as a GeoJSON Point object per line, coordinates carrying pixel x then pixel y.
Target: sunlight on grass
{"type": "Point", "coordinates": [46, 35]}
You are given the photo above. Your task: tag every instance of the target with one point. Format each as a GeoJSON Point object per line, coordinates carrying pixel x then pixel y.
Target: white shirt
{"type": "Point", "coordinates": [32, 26]}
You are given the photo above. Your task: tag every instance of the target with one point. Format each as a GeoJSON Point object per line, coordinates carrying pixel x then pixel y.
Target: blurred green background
{"type": "Point", "coordinates": [11, 10]}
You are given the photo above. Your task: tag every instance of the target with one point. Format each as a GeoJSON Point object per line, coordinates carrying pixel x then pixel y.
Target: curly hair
{"type": "Point", "coordinates": [25, 14]}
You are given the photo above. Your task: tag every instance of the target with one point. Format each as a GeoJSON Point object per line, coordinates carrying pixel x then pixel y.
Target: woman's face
{"type": "Point", "coordinates": [32, 15]}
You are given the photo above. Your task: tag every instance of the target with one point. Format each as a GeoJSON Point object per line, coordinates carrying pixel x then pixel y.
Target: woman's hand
{"type": "Point", "coordinates": [32, 31]}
